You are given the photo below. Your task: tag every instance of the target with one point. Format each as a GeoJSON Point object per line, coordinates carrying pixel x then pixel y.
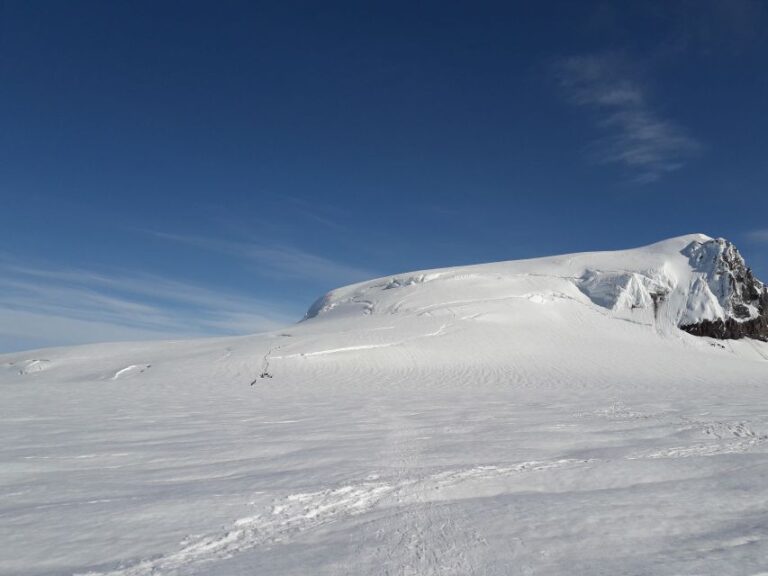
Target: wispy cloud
{"type": "Point", "coordinates": [635, 135]}
{"type": "Point", "coordinates": [714, 26]}
{"type": "Point", "coordinates": [278, 260]}
{"type": "Point", "coordinates": [758, 236]}
{"type": "Point", "coordinates": [43, 305]}
{"type": "Point", "coordinates": [320, 213]}
{"type": "Point", "coordinates": [47, 305]}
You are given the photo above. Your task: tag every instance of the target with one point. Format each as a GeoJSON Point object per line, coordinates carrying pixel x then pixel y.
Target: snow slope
{"type": "Point", "coordinates": [544, 416]}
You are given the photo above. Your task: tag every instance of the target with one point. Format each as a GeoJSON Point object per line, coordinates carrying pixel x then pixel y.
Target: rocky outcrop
{"type": "Point", "coordinates": [743, 298]}
{"type": "Point", "coordinates": [731, 329]}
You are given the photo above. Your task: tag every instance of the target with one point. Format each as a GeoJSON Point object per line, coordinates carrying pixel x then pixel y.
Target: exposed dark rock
{"type": "Point", "coordinates": [763, 302]}
{"type": "Point", "coordinates": [731, 329]}
{"type": "Point", "coordinates": [743, 297]}
{"type": "Point", "coordinates": [657, 298]}
{"type": "Point", "coordinates": [740, 311]}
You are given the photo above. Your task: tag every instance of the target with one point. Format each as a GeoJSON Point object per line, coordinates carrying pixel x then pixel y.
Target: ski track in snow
{"type": "Point", "coordinates": [294, 514]}
{"type": "Point", "coordinates": [425, 533]}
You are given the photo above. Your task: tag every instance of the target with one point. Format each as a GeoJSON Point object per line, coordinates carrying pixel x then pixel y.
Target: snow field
{"type": "Point", "coordinates": [500, 419]}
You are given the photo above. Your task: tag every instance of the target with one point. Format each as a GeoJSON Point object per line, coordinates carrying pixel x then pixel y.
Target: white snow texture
{"type": "Point", "coordinates": [543, 416]}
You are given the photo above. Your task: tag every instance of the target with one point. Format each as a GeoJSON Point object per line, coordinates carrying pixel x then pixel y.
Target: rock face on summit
{"type": "Point", "coordinates": [743, 297]}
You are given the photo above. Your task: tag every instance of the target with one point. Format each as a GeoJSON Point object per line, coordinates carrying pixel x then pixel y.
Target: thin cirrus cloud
{"type": "Point", "coordinates": [758, 236]}
{"type": "Point", "coordinates": [48, 305]}
{"type": "Point", "coordinates": [635, 135]}
{"type": "Point", "coordinates": [42, 306]}
{"type": "Point", "coordinates": [278, 260]}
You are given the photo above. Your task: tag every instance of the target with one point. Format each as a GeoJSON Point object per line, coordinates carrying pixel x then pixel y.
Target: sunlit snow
{"type": "Point", "coordinates": [532, 417]}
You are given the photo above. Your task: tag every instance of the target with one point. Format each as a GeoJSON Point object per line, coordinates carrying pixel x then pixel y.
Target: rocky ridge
{"type": "Point", "coordinates": [743, 297]}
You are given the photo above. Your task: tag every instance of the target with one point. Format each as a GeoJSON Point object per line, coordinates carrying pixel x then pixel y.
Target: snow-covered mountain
{"type": "Point", "coordinates": [589, 413]}
{"type": "Point", "coordinates": [694, 282]}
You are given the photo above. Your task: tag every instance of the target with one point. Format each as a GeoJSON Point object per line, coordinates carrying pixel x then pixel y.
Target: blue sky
{"type": "Point", "coordinates": [186, 169]}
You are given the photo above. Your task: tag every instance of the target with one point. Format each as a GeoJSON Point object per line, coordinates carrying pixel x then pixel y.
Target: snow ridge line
{"type": "Point", "coordinates": [439, 332]}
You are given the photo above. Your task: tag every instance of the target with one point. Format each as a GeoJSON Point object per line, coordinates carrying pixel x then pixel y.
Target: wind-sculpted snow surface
{"type": "Point", "coordinates": [534, 417]}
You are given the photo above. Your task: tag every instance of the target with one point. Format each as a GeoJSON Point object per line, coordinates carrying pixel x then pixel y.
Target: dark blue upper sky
{"type": "Point", "coordinates": [189, 168]}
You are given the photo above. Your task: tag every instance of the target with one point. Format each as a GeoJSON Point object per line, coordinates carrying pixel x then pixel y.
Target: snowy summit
{"type": "Point", "coordinates": [693, 282]}
{"type": "Point", "coordinates": [580, 414]}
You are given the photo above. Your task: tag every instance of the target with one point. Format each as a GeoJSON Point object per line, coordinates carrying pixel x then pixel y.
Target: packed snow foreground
{"type": "Point", "coordinates": [564, 415]}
